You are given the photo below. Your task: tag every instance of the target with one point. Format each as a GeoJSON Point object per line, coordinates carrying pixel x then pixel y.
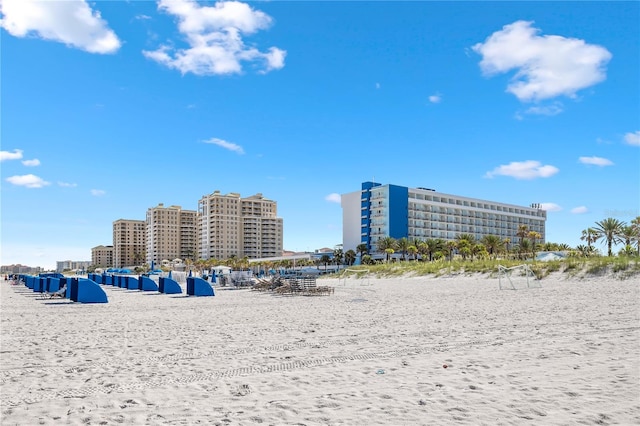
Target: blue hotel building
{"type": "Point", "coordinates": [378, 211]}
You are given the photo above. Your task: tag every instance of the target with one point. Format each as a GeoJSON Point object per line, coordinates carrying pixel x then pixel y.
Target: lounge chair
{"type": "Point", "coordinates": [57, 294]}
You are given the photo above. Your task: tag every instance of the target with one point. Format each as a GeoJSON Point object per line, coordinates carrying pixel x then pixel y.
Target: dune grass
{"type": "Point", "coordinates": [621, 267]}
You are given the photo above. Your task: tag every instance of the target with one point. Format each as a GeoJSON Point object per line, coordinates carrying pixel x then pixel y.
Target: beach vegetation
{"type": "Point", "coordinates": [403, 246]}
{"type": "Point", "coordinates": [412, 251]}
{"type": "Point", "coordinates": [325, 260]}
{"type": "Point", "coordinates": [590, 236]}
{"type": "Point", "coordinates": [492, 244]}
{"type": "Point", "coordinates": [610, 230]}
{"type": "Point", "coordinates": [349, 257]}
{"type": "Point", "coordinates": [338, 255]}
{"type": "Point", "coordinates": [572, 266]}
{"type": "Point", "coordinates": [635, 224]}
{"type": "Point", "coordinates": [387, 245]}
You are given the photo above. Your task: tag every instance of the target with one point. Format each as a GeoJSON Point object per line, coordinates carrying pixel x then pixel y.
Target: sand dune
{"type": "Point", "coordinates": [567, 353]}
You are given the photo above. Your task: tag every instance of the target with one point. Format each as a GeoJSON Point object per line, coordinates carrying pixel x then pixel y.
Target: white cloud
{"type": "Point", "coordinates": [67, 185]}
{"type": "Point", "coordinates": [596, 161]}
{"type": "Point", "coordinates": [524, 170]}
{"type": "Point", "coordinates": [15, 155]}
{"type": "Point", "coordinates": [275, 59]}
{"type": "Point", "coordinates": [29, 181]}
{"type": "Point", "coordinates": [31, 163]}
{"type": "Point", "coordinates": [434, 99]}
{"type": "Point", "coordinates": [214, 35]}
{"type": "Point", "coordinates": [226, 145]}
{"type": "Point", "coordinates": [333, 198]}
{"type": "Point", "coordinates": [633, 138]}
{"type": "Point", "coordinates": [554, 109]}
{"type": "Point", "coordinates": [579, 210]}
{"type": "Point", "coordinates": [546, 66]}
{"type": "Point", "coordinates": [550, 207]}
{"type": "Point", "coordinates": [71, 22]}
{"type": "Point", "coordinates": [97, 192]}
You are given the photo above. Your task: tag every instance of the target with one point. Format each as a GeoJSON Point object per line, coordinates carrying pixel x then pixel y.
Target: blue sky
{"type": "Point", "coordinates": [109, 108]}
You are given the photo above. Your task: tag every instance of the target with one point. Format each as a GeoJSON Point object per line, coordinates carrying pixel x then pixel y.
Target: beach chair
{"type": "Point", "coordinates": [284, 289]}
{"type": "Point", "coordinates": [276, 282]}
{"type": "Point", "coordinates": [307, 284]}
{"type": "Point", "coordinates": [295, 285]}
{"type": "Point", "coordinates": [61, 294]}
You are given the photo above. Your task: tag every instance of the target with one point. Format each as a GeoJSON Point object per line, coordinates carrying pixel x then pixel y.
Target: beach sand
{"type": "Point", "coordinates": [567, 353]}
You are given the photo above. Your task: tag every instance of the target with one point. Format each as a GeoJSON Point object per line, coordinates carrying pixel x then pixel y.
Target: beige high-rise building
{"type": "Point", "coordinates": [262, 230]}
{"type": "Point", "coordinates": [101, 256]}
{"type": "Point", "coordinates": [171, 233]}
{"type": "Point", "coordinates": [188, 235]}
{"type": "Point", "coordinates": [233, 226]}
{"type": "Point", "coordinates": [129, 242]}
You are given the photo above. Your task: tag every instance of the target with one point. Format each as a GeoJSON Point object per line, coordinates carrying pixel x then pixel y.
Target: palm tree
{"type": "Point", "coordinates": [402, 245]}
{"type": "Point", "coordinates": [362, 249]}
{"type": "Point", "coordinates": [585, 251]}
{"type": "Point", "coordinates": [325, 259]}
{"type": "Point", "coordinates": [389, 252]}
{"type": "Point", "coordinates": [451, 246]}
{"type": "Point", "coordinates": [412, 251]}
{"type": "Point", "coordinates": [479, 250]}
{"type": "Point", "coordinates": [138, 256]}
{"type": "Point", "coordinates": [441, 245]}
{"type": "Point", "coordinates": [188, 263]}
{"type": "Point", "coordinates": [465, 243]}
{"type": "Point", "coordinates": [506, 243]}
{"type": "Point", "coordinates": [523, 230]}
{"type": "Point", "coordinates": [626, 251]}
{"type": "Point", "coordinates": [200, 264]}
{"type": "Point", "coordinates": [337, 256]}
{"type": "Point", "coordinates": [415, 242]}
{"type": "Point", "coordinates": [492, 244]}
{"type": "Point", "coordinates": [524, 247]}
{"type": "Point", "coordinates": [430, 247]}
{"type": "Point", "coordinates": [466, 237]}
{"type": "Point", "coordinates": [635, 223]}
{"type": "Point", "coordinates": [533, 236]}
{"type": "Point", "coordinates": [385, 244]}
{"type": "Point", "coordinates": [590, 235]}
{"type": "Point", "coordinates": [423, 249]}
{"type": "Point", "coordinates": [629, 235]}
{"type": "Point", "coordinates": [609, 229]}
{"type": "Point", "coordinates": [232, 261]}
{"type": "Point", "coordinates": [350, 257]}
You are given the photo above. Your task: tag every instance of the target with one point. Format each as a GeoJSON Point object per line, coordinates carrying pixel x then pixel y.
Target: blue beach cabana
{"type": "Point", "coordinates": [199, 287]}
{"type": "Point", "coordinates": [169, 286]}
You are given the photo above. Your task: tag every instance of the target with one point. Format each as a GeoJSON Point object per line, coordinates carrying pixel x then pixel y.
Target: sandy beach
{"type": "Point", "coordinates": [567, 353]}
